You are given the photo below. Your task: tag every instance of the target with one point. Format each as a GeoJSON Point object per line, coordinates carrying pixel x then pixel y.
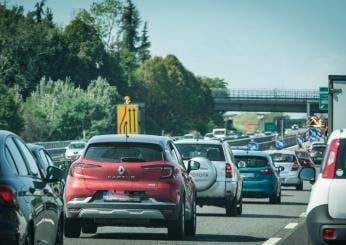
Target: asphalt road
{"type": "Point", "coordinates": [259, 222]}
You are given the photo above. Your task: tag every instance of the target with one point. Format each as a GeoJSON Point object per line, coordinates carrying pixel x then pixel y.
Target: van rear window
{"type": "Point", "coordinates": [124, 152]}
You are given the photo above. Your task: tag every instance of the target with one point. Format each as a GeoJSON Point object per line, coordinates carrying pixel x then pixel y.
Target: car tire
{"type": "Point", "coordinates": [231, 207]}
{"type": "Point", "coordinates": [275, 199]}
{"type": "Point", "coordinates": [190, 225]}
{"type": "Point", "coordinates": [29, 238]}
{"type": "Point", "coordinates": [72, 228]}
{"type": "Point", "coordinates": [60, 233]}
{"type": "Point", "coordinates": [176, 228]}
{"type": "Point", "coordinates": [299, 187]}
{"type": "Point", "coordinates": [240, 205]}
{"type": "Point", "coordinates": [89, 229]}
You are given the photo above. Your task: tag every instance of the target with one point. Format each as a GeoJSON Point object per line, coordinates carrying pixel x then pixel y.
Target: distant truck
{"type": "Point", "coordinates": [336, 102]}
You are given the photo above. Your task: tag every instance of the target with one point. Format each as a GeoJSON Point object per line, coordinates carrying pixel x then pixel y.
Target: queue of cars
{"type": "Point", "coordinates": [142, 180]}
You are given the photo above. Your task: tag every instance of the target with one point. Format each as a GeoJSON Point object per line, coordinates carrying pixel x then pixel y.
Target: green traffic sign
{"type": "Point", "coordinates": [323, 101]}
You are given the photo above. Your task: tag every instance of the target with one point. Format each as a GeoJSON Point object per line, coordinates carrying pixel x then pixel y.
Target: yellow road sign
{"type": "Point", "coordinates": [127, 119]}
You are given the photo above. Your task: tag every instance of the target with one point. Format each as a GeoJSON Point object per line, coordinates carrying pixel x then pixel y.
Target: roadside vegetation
{"type": "Point", "coordinates": [57, 82]}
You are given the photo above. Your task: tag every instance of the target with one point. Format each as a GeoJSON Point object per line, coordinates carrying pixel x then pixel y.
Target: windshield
{"type": "Point", "coordinates": [124, 152]}
{"type": "Point", "coordinates": [210, 151]}
{"type": "Point", "coordinates": [77, 146]}
{"type": "Point", "coordinates": [251, 161]}
{"type": "Point", "coordinates": [281, 157]}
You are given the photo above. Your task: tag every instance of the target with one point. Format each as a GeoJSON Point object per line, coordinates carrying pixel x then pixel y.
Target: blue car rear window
{"type": "Point", "coordinates": [251, 161]}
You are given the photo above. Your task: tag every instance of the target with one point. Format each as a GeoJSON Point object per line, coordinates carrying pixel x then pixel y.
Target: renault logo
{"type": "Point", "coordinates": [121, 170]}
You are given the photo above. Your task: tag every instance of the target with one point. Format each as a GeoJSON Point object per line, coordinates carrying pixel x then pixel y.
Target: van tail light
{"type": "Point", "coordinates": [76, 169]}
{"type": "Point", "coordinates": [329, 234]}
{"type": "Point", "coordinates": [331, 157]}
{"type": "Point", "coordinates": [266, 171]}
{"type": "Point", "coordinates": [295, 165]}
{"type": "Point", "coordinates": [228, 170]}
{"type": "Point", "coordinates": [166, 172]}
{"type": "Point", "coordinates": [7, 196]}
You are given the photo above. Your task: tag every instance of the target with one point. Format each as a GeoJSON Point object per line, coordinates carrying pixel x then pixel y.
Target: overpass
{"type": "Point", "coordinates": [267, 100]}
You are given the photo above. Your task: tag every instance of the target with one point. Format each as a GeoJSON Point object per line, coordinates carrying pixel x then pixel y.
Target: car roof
{"type": "Point", "coordinates": [250, 153]}
{"type": "Point", "coordinates": [133, 138]}
{"type": "Point", "coordinates": [77, 142]}
{"type": "Point", "coordinates": [34, 147]}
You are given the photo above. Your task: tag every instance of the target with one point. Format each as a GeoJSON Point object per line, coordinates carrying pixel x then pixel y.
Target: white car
{"type": "Point", "coordinates": [326, 211]}
{"type": "Point", "coordinates": [218, 181]}
{"type": "Point", "coordinates": [74, 149]}
{"type": "Point", "coordinates": [291, 166]}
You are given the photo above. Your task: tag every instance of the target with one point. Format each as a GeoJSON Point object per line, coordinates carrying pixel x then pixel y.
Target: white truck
{"type": "Point", "coordinates": [336, 102]}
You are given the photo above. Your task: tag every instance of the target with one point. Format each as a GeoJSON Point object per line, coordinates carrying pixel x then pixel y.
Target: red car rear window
{"type": "Point", "coordinates": [124, 152]}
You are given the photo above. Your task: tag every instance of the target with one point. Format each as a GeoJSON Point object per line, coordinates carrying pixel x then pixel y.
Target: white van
{"type": "Point", "coordinates": [219, 132]}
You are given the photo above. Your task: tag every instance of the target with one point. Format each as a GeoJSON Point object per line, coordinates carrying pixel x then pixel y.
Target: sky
{"type": "Point", "coordinates": [290, 44]}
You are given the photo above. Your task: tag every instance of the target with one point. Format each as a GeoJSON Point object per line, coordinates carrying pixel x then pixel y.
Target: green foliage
{"type": "Point", "coordinates": [130, 22]}
{"type": "Point", "coordinates": [10, 110]}
{"type": "Point", "coordinates": [175, 100]}
{"type": "Point", "coordinates": [143, 49]}
{"type": "Point", "coordinates": [64, 111]}
{"type": "Point", "coordinates": [218, 83]}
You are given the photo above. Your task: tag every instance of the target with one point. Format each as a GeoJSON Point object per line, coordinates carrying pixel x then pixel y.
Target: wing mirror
{"type": "Point", "coordinates": [54, 174]}
{"type": "Point", "coordinates": [307, 174]}
{"type": "Point", "coordinates": [192, 165]}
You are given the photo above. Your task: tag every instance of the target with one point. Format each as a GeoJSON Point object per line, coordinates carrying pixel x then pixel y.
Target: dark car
{"type": "Point", "coordinates": [44, 160]}
{"type": "Point", "coordinates": [304, 158]}
{"type": "Point", "coordinates": [130, 180]}
{"type": "Point", "coordinates": [260, 178]}
{"type": "Point", "coordinates": [31, 213]}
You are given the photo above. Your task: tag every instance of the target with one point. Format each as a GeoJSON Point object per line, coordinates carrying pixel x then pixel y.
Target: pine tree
{"type": "Point", "coordinates": [130, 22]}
{"type": "Point", "coordinates": [143, 50]}
{"type": "Point", "coordinates": [39, 11]}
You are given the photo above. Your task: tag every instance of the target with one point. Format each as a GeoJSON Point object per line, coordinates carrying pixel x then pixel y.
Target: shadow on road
{"type": "Point", "coordinates": [164, 237]}
{"type": "Point", "coordinates": [282, 203]}
{"type": "Point", "coordinates": [267, 216]}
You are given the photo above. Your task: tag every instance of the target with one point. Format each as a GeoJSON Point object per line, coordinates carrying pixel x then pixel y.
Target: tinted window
{"type": "Point", "coordinates": [251, 161]}
{"type": "Point", "coordinates": [341, 161]}
{"type": "Point", "coordinates": [211, 151]}
{"type": "Point", "coordinates": [77, 146]}
{"type": "Point", "coordinates": [30, 159]}
{"type": "Point", "coordinates": [319, 148]}
{"type": "Point", "coordinates": [124, 152]}
{"type": "Point", "coordinates": [17, 157]}
{"type": "Point", "coordinates": [43, 157]}
{"type": "Point", "coordinates": [302, 154]}
{"type": "Point", "coordinates": [281, 157]}
{"type": "Point", "coordinates": [10, 161]}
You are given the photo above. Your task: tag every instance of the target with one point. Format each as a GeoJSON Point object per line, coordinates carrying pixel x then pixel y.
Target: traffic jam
{"type": "Point", "coordinates": [140, 180]}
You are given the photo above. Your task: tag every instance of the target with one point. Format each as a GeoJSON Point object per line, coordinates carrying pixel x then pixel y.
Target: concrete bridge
{"type": "Point", "coordinates": [267, 100]}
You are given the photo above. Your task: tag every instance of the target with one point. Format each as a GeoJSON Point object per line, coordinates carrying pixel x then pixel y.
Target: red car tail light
{"type": "Point", "coordinates": [228, 170]}
{"type": "Point", "coordinates": [7, 196]}
{"type": "Point", "coordinates": [331, 157]}
{"type": "Point", "coordinates": [266, 171]}
{"type": "Point", "coordinates": [166, 171]}
{"type": "Point", "coordinates": [76, 169]}
{"type": "Point", "coordinates": [329, 234]}
{"type": "Point", "coordinates": [295, 166]}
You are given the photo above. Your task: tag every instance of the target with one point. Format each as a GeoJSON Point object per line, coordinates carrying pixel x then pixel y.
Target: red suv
{"type": "Point", "coordinates": [133, 180]}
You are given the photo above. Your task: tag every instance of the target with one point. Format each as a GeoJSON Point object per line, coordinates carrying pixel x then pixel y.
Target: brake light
{"type": "Point", "coordinates": [228, 170]}
{"type": "Point", "coordinates": [329, 168]}
{"type": "Point", "coordinates": [166, 171]}
{"type": "Point", "coordinates": [76, 169]}
{"type": "Point", "coordinates": [7, 196]}
{"type": "Point", "coordinates": [329, 234]}
{"type": "Point", "coordinates": [266, 171]}
{"type": "Point", "coordinates": [295, 166]}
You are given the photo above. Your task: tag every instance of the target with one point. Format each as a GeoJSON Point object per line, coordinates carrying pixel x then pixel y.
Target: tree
{"type": "Point", "coordinates": [10, 110]}
{"type": "Point", "coordinates": [39, 11]}
{"type": "Point", "coordinates": [130, 22]}
{"type": "Point", "coordinates": [143, 50]}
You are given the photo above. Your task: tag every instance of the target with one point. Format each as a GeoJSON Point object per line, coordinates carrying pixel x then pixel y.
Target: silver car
{"type": "Point", "coordinates": [218, 181]}
{"type": "Point", "coordinates": [291, 166]}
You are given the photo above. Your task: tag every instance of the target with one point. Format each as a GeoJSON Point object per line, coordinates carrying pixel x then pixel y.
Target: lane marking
{"type": "Point", "coordinates": [302, 215]}
{"type": "Point", "coordinates": [272, 241]}
{"type": "Point", "coordinates": [291, 225]}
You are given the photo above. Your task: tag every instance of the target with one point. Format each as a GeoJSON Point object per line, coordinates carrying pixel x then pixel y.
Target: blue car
{"type": "Point", "coordinates": [260, 176]}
